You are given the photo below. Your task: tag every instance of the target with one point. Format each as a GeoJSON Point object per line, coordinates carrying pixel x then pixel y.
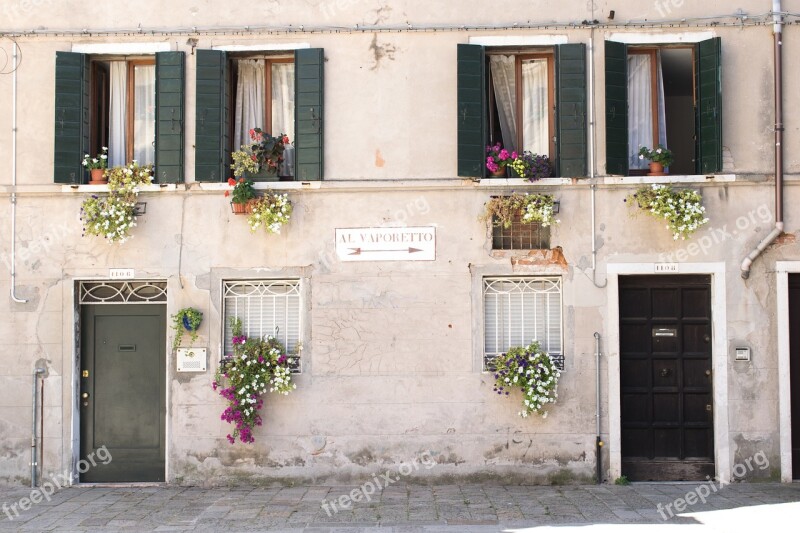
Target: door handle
{"type": "Point", "coordinates": [708, 372]}
{"type": "Point", "coordinates": [665, 372]}
{"type": "Point", "coordinates": [85, 395]}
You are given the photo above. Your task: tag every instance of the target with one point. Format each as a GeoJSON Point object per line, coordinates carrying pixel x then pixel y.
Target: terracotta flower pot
{"type": "Point", "coordinates": [656, 169]}
{"type": "Point", "coordinates": [96, 177]}
{"type": "Point", "coordinates": [499, 173]}
{"type": "Point", "coordinates": [243, 209]}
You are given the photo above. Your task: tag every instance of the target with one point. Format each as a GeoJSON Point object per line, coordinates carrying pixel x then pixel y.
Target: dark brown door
{"type": "Point", "coordinates": [665, 378]}
{"type": "Point", "coordinates": [122, 394]}
{"type": "Point", "coordinates": [794, 369]}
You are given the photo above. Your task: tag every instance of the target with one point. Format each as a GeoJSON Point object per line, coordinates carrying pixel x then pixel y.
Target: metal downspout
{"type": "Point", "coordinates": [14, 176]}
{"type": "Point", "coordinates": [598, 440]}
{"type": "Point", "coordinates": [35, 413]}
{"type": "Point", "coordinates": [747, 263]}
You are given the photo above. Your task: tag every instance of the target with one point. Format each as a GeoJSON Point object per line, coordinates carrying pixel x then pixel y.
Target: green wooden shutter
{"type": "Point", "coordinates": [309, 113]}
{"type": "Point", "coordinates": [211, 121]}
{"type": "Point", "coordinates": [170, 81]}
{"type": "Point", "coordinates": [71, 118]}
{"type": "Point", "coordinates": [708, 75]}
{"type": "Point", "coordinates": [616, 108]}
{"type": "Point", "coordinates": [472, 110]}
{"type": "Point", "coordinates": [571, 110]}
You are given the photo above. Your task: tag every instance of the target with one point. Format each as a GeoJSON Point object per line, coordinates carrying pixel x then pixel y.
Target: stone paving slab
{"type": "Point", "coordinates": [398, 509]}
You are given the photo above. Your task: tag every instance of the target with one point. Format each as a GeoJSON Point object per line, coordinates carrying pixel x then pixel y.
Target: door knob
{"type": "Point", "coordinates": [665, 372]}
{"type": "Point", "coordinates": [85, 395]}
{"type": "Point", "coordinates": [707, 338]}
{"type": "Point", "coordinates": [708, 372]}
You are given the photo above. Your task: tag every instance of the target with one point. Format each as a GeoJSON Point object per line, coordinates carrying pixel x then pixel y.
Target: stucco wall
{"type": "Point", "coordinates": [392, 350]}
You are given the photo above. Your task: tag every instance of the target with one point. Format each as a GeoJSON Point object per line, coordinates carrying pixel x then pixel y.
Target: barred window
{"type": "Point", "coordinates": [520, 235]}
{"type": "Point", "coordinates": [265, 307]}
{"type": "Point", "coordinates": [519, 310]}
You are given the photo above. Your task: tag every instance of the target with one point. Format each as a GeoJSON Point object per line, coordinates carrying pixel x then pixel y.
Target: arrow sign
{"type": "Point", "coordinates": [417, 243]}
{"type": "Point", "coordinates": [357, 251]}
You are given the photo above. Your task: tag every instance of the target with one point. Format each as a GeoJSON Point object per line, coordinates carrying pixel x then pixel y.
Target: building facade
{"type": "Point", "coordinates": [389, 108]}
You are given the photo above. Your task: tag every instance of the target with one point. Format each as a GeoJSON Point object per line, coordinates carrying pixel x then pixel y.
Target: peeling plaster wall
{"type": "Point", "coordinates": [391, 368]}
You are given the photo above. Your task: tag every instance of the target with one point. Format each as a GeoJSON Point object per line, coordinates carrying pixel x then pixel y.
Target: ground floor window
{"type": "Point", "coordinates": [519, 310]}
{"type": "Point", "coordinates": [265, 307]}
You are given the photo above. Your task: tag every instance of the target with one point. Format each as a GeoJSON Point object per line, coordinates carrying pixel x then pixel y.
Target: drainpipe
{"type": "Point", "coordinates": [14, 175]}
{"type": "Point", "coordinates": [592, 159]}
{"type": "Point", "coordinates": [598, 440]}
{"type": "Point", "coordinates": [34, 442]}
{"type": "Point", "coordinates": [778, 229]}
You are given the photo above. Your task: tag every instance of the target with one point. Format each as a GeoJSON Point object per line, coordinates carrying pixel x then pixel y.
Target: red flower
{"type": "Point", "coordinates": [285, 139]}
{"type": "Point", "coordinates": [231, 182]}
{"type": "Point", "coordinates": [227, 193]}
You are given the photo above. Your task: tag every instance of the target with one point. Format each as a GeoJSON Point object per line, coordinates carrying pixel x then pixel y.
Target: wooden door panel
{"type": "Point", "coordinates": [123, 406]}
{"type": "Point", "coordinates": [665, 378]}
{"type": "Point", "coordinates": [794, 369]}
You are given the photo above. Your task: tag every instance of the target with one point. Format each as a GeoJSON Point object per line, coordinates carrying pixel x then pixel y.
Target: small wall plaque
{"type": "Point", "coordinates": [191, 359]}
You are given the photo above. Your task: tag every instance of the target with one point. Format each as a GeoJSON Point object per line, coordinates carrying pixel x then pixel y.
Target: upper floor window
{"type": "Point", "coordinates": [277, 93]}
{"type": "Point", "coordinates": [668, 95]}
{"type": "Point", "coordinates": [530, 99]}
{"type": "Point", "coordinates": [122, 109]}
{"type": "Point", "coordinates": [134, 106]}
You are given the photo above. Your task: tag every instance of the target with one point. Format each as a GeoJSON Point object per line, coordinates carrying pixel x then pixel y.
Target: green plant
{"type": "Point", "coordinates": [498, 157]}
{"type": "Point", "coordinates": [659, 154]}
{"type": "Point", "coordinates": [683, 210]}
{"type": "Point", "coordinates": [271, 211]}
{"type": "Point", "coordinates": [264, 152]}
{"type": "Point", "coordinates": [113, 216]}
{"type": "Point", "coordinates": [242, 190]}
{"type": "Point", "coordinates": [186, 316]}
{"type": "Point", "coordinates": [256, 366]}
{"type": "Point", "coordinates": [533, 371]}
{"type": "Point", "coordinates": [531, 207]}
{"type": "Point", "coordinates": [622, 480]}
{"type": "Point", "coordinates": [98, 162]}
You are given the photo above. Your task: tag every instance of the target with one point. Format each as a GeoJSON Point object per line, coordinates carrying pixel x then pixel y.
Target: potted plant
{"type": "Point", "coordinates": [531, 167]}
{"type": "Point", "coordinates": [255, 367]}
{"type": "Point", "coordinates": [683, 210]}
{"type": "Point", "coordinates": [242, 195]}
{"type": "Point", "coordinates": [532, 371]}
{"type": "Point", "coordinates": [271, 212]}
{"type": "Point", "coordinates": [188, 319]}
{"type": "Point", "coordinates": [659, 158]}
{"type": "Point", "coordinates": [497, 159]}
{"type": "Point", "coordinates": [261, 158]}
{"type": "Point", "coordinates": [530, 207]}
{"type": "Point", "coordinates": [96, 167]}
{"type": "Point", "coordinates": [114, 215]}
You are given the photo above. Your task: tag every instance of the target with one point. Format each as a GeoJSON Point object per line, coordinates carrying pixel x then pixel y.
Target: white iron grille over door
{"type": "Point", "coordinates": [518, 311]}
{"type": "Point", "coordinates": [116, 292]}
{"type": "Point", "coordinates": [265, 307]}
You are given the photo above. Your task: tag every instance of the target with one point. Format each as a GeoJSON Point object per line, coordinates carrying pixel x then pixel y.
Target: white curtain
{"type": "Point", "coordinates": [117, 113]}
{"type": "Point", "coordinates": [283, 110]}
{"type": "Point", "coordinates": [535, 125]}
{"type": "Point", "coordinates": [144, 116]}
{"type": "Point", "coordinates": [505, 94]}
{"type": "Point", "coordinates": [640, 107]}
{"type": "Point", "coordinates": [250, 97]}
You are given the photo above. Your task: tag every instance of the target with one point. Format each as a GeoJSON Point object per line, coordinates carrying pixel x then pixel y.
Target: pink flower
{"type": "Point", "coordinates": [503, 154]}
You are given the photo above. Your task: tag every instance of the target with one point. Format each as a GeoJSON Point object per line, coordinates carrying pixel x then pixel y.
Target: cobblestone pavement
{"type": "Point", "coordinates": [404, 508]}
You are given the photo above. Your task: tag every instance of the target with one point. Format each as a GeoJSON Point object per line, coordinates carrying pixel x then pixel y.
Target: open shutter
{"type": "Point", "coordinates": [616, 108]}
{"type": "Point", "coordinates": [170, 80]}
{"type": "Point", "coordinates": [708, 74]}
{"type": "Point", "coordinates": [211, 131]}
{"type": "Point", "coordinates": [571, 110]}
{"type": "Point", "coordinates": [471, 111]}
{"type": "Point", "coordinates": [309, 113]}
{"type": "Point", "coordinates": [72, 117]}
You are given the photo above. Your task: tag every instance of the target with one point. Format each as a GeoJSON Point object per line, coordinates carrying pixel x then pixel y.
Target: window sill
{"type": "Point", "coordinates": [156, 187]}
{"type": "Point", "coordinates": [519, 182]}
{"type": "Point", "coordinates": [259, 186]}
{"type": "Point", "coordinates": [637, 180]}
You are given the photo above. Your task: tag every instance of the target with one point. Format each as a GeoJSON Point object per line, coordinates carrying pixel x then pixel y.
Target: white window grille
{"type": "Point", "coordinates": [115, 292]}
{"type": "Point", "coordinates": [519, 310]}
{"type": "Point", "coordinates": [265, 307]}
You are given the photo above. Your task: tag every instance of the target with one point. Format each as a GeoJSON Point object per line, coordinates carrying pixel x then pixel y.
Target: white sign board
{"type": "Point", "coordinates": [121, 273]}
{"type": "Point", "coordinates": [413, 243]}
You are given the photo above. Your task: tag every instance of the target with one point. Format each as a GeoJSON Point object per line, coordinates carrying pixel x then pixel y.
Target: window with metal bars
{"type": "Point", "coordinates": [520, 235]}
{"type": "Point", "coordinates": [519, 310]}
{"type": "Point", "coordinates": [265, 307]}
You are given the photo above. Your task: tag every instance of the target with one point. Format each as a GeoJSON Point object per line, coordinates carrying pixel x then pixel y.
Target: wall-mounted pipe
{"type": "Point", "coordinates": [35, 413]}
{"type": "Point", "coordinates": [14, 65]}
{"type": "Point", "coordinates": [598, 441]}
{"type": "Point", "coordinates": [777, 17]}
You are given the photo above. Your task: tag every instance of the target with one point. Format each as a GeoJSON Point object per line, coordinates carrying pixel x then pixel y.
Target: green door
{"type": "Point", "coordinates": [123, 393]}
